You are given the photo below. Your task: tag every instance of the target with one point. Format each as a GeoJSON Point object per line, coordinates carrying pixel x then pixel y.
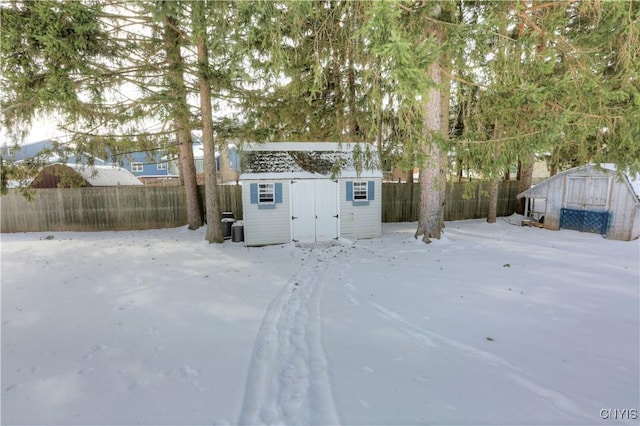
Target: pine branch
{"type": "Point", "coordinates": [510, 138]}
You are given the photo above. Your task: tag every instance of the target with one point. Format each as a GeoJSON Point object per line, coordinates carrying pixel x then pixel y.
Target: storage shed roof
{"type": "Point", "coordinates": [106, 175]}
{"type": "Point", "coordinates": [94, 175]}
{"type": "Point", "coordinates": [539, 190]}
{"type": "Point", "coordinates": [309, 160]}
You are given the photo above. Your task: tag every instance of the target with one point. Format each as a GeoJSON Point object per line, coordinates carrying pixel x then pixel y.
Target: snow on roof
{"type": "Point", "coordinates": [13, 184]}
{"type": "Point", "coordinates": [308, 160]}
{"type": "Point", "coordinates": [105, 175]}
{"type": "Point", "coordinates": [303, 146]}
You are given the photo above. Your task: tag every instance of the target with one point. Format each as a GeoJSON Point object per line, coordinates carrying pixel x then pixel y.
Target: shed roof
{"type": "Point", "coordinates": [106, 175]}
{"type": "Point", "coordinates": [309, 160]}
{"type": "Point", "coordinates": [94, 175]}
{"type": "Point", "coordinates": [539, 190]}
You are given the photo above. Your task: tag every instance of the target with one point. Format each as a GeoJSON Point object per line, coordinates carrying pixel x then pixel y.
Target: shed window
{"type": "Point", "coordinates": [10, 152]}
{"type": "Point", "coordinates": [162, 166]}
{"type": "Point", "coordinates": [360, 191]}
{"type": "Point", "coordinates": [137, 167]}
{"type": "Point", "coordinates": [266, 193]}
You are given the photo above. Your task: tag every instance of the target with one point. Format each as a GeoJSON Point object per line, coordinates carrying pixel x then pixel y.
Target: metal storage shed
{"type": "Point", "coordinates": [590, 198]}
{"type": "Point", "coordinates": [80, 175]}
{"type": "Point", "coordinates": [310, 192]}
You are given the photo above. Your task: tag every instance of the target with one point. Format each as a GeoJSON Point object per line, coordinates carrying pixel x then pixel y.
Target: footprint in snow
{"type": "Point", "coordinates": [187, 371]}
{"type": "Point", "coordinates": [352, 301]}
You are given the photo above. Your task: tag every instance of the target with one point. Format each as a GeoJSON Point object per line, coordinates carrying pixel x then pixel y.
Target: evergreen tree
{"type": "Point", "coordinates": [199, 22]}
{"type": "Point", "coordinates": [548, 77]}
{"type": "Point", "coordinates": [53, 56]}
{"type": "Point", "coordinates": [171, 15]}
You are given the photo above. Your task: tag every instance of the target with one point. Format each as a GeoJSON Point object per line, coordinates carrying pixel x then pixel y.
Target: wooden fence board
{"type": "Point", "coordinates": [149, 207]}
{"type": "Point", "coordinates": [400, 202]}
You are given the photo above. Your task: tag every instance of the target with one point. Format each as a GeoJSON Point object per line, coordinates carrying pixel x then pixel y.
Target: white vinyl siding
{"type": "Point", "coordinates": [358, 221]}
{"type": "Point", "coordinates": [266, 226]}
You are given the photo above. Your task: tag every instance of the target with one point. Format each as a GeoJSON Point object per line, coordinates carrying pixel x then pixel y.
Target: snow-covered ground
{"type": "Point", "coordinates": [493, 324]}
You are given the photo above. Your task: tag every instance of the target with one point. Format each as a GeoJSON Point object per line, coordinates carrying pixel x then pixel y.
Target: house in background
{"type": "Point", "coordinates": [80, 175]}
{"type": "Point", "coordinates": [159, 165]}
{"type": "Point", "coordinates": [309, 192]}
{"type": "Point", "coordinates": [589, 198]}
{"type": "Point", "coordinates": [149, 166]}
{"type": "Point", "coordinates": [25, 151]}
{"type": "Point", "coordinates": [231, 173]}
{"type": "Point", "coordinates": [46, 151]}
{"type": "Point", "coordinates": [226, 174]}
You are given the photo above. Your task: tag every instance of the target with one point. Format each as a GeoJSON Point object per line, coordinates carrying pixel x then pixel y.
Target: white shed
{"type": "Point", "coordinates": [590, 198]}
{"type": "Point", "coordinates": [309, 192]}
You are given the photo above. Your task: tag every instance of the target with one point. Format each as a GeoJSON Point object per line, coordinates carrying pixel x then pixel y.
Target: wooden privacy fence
{"type": "Point", "coordinates": [102, 209]}
{"type": "Point", "coordinates": [147, 207]}
{"type": "Point", "coordinates": [400, 202]}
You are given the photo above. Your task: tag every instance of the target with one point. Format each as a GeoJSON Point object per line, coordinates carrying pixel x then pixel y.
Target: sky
{"type": "Point", "coordinates": [492, 324]}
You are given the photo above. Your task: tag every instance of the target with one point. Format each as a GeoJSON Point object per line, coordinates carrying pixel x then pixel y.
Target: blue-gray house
{"type": "Point", "coordinates": [147, 165]}
{"type": "Point", "coordinates": [46, 152]}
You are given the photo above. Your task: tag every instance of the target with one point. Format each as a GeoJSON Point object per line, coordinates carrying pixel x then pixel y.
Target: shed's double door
{"type": "Point", "coordinates": [586, 204]}
{"type": "Point", "coordinates": [314, 210]}
{"type": "Point", "coordinates": [587, 192]}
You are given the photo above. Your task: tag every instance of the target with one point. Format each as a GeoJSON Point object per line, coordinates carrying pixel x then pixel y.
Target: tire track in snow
{"type": "Point", "coordinates": [428, 338]}
{"type": "Point", "coordinates": [287, 381]}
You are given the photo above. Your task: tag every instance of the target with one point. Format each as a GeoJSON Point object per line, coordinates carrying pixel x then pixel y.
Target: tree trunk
{"type": "Point", "coordinates": [180, 112]}
{"type": "Point", "coordinates": [188, 170]}
{"type": "Point", "coordinates": [339, 110]}
{"type": "Point", "coordinates": [524, 183]}
{"type": "Point", "coordinates": [494, 176]}
{"type": "Point", "coordinates": [429, 225]}
{"type": "Point", "coordinates": [226, 174]}
{"type": "Point", "coordinates": [3, 178]}
{"type": "Point", "coordinates": [493, 201]}
{"type": "Point", "coordinates": [214, 228]}
{"type": "Point", "coordinates": [409, 177]}
{"type": "Point", "coordinates": [445, 95]}
{"type": "Point", "coordinates": [351, 81]}
{"type": "Point", "coordinates": [553, 162]}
